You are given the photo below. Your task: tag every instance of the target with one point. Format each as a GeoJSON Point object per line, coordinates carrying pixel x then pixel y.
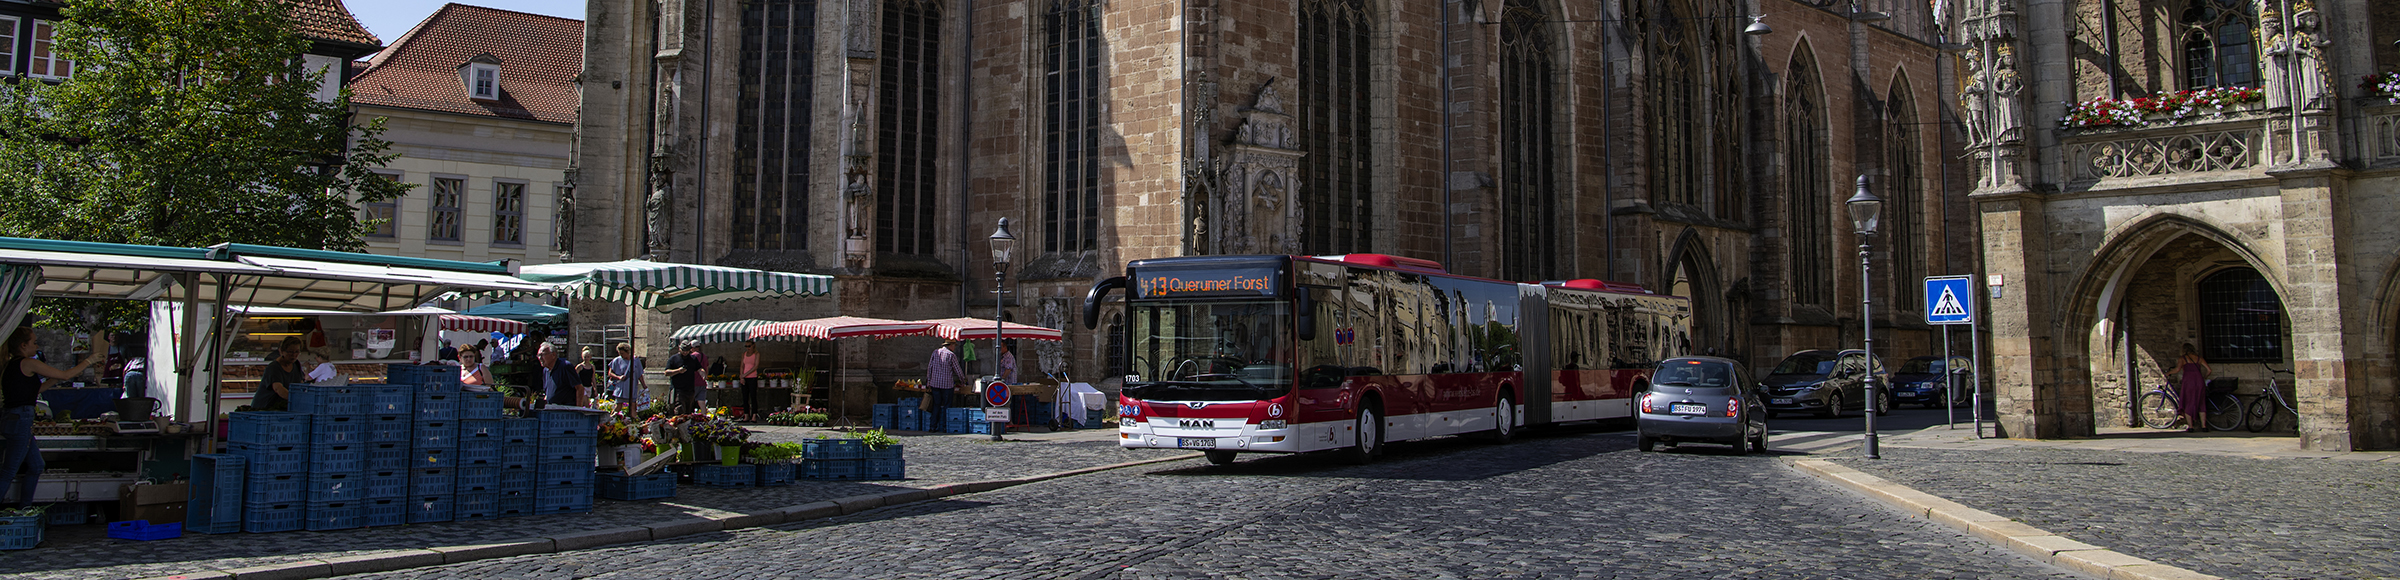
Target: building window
{"type": "Point", "coordinates": [1809, 163]}
{"type": "Point", "coordinates": [1906, 186]}
{"type": "Point", "coordinates": [46, 63]}
{"type": "Point", "coordinates": [1675, 107]}
{"type": "Point", "coordinates": [1071, 126]}
{"type": "Point", "coordinates": [1334, 125]}
{"type": "Point", "coordinates": [2241, 320]}
{"type": "Point", "coordinates": [444, 208]}
{"type": "Point", "coordinates": [1529, 156]}
{"type": "Point", "coordinates": [908, 119]}
{"type": "Point", "coordinates": [8, 45]}
{"type": "Point", "coordinates": [487, 83]}
{"type": "Point", "coordinates": [388, 211]}
{"type": "Point", "coordinates": [2219, 49]}
{"type": "Point", "coordinates": [771, 150]}
{"type": "Point", "coordinates": [1116, 347]}
{"type": "Point", "coordinates": [508, 213]}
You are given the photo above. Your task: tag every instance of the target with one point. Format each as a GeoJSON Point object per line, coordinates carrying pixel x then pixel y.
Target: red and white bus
{"type": "Point", "coordinates": [1285, 354]}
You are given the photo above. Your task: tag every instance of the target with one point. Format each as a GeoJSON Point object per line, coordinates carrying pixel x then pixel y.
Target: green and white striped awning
{"type": "Point", "coordinates": [718, 332]}
{"type": "Point", "coordinates": [667, 287]}
{"type": "Point", "coordinates": [17, 282]}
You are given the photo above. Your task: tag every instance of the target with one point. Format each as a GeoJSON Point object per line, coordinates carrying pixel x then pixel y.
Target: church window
{"type": "Point", "coordinates": [1529, 184]}
{"type": "Point", "coordinates": [1071, 57]}
{"type": "Point", "coordinates": [773, 125]}
{"type": "Point", "coordinates": [1335, 185]}
{"type": "Point", "coordinates": [908, 123]}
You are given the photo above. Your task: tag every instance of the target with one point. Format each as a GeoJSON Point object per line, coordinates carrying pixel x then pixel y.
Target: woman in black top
{"type": "Point", "coordinates": [274, 387]}
{"type": "Point", "coordinates": [20, 385]}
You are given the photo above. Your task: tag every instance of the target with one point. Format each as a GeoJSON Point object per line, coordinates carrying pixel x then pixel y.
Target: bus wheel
{"type": "Point", "coordinates": [1370, 437]}
{"type": "Point", "coordinates": [1220, 457]}
{"type": "Point", "coordinates": [1507, 414]}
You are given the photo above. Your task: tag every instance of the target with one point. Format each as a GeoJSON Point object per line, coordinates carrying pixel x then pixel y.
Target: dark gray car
{"type": "Point", "coordinates": [1701, 398]}
{"type": "Point", "coordinates": [1824, 382]}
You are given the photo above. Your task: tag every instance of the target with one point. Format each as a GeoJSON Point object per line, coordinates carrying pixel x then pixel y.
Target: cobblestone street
{"type": "Point", "coordinates": [1578, 504]}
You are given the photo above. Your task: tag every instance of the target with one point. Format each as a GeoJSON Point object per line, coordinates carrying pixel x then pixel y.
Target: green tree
{"type": "Point", "coordinates": [187, 123]}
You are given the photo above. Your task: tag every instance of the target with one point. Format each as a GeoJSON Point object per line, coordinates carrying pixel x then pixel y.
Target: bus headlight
{"type": "Point", "coordinates": [1271, 425]}
{"type": "Point", "coordinates": [1127, 422]}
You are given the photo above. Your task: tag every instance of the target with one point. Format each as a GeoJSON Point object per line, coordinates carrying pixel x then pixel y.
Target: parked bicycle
{"type": "Point", "coordinates": [2270, 399]}
{"type": "Point", "coordinates": [2158, 408]}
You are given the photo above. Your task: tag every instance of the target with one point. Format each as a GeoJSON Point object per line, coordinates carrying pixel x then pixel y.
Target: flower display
{"type": "Point", "coordinates": [2385, 85]}
{"type": "Point", "coordinates": [2174, 106]}
{"type": "Point", "coordinates": [717, 431]}
{"type": "Point", "coordinates": [613, 433]}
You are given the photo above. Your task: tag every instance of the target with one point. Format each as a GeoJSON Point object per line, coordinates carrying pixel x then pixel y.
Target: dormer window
{"type": "Point", "coordinates": [481, 75]}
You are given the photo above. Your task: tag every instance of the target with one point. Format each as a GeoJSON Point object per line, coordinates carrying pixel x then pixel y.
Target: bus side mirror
{"type": "Point", "coordinates": [1308, 316]}
{"type": "Point", "coordinates": [1092, 300]}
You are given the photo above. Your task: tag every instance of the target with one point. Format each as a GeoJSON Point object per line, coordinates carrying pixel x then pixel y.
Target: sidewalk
{"type": "Point", "coordinates": [2212, 504]}
{"type": "Point", "coordinates": [935, 462]}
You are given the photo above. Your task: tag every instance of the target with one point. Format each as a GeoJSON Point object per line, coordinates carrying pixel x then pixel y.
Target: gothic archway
{"type": "Point", "coordinates": [1692, 274]}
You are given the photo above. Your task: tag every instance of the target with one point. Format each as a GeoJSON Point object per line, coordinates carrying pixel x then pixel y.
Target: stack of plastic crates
{"type": "Point", "coordinates": [910, 418]}
{"type": "Point", "coordinates": [832, 458]}
{"type": "Point", "coordinates": [884, 416]}
{"type": "Point", "coordinates": [433, 451]}
{"type": "Point", "coordinates": [885, 463]}
{"type": "Point", "coordinates": [337, 454]}
{"type": "Point", "coordinates": [618, 486]}
{"type": "Point", "coordinates": [215, 506]}
{"type": "Point", "coordinates": [519, 468]}
{"type": "Point", "coordinates": [274, 445]}
{"type": "Point", "coordinates": [570, 444]}
{"type": "Point", "coordinates": [480, 436]}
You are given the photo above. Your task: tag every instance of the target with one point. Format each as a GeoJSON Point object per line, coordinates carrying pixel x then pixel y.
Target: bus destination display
{"type": "Point", "coordinates": [1260, 281]}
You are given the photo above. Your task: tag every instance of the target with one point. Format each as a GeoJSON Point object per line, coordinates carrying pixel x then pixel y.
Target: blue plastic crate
{"type": "Point", "coordinates": [275, 517]}
{"type": "Point", "coordinates": [473, 452]}
{"type": "Point", "coordinates": [584, 449]}
{"type": "Point", "coordinates": [323, 429]}
{"type": "Point", "coordinates": [562, 500]}
{"type": "Point", "coordinates": [437, 406]}
{"type": "Point", "coordinates": [69, 513]}
{"type": "Point", "coordinates": [957, 426]}
{"type": "Point", "coordinates": [556, 424]}
{"type": "Point", "coordinates": [424, 377]}
{"type": "Point", "coordinates": [341, 400]}
{"type": "Point", "coordinates": [390, 399]}
{"type": "Point", "coordinates": [832, 448]}
{"type": "Point", "coordinates": [268, 428]}
{"type": "Point", "coordinates": [514, 506]}
{"type": "Point", "coordinates": [831, 469]}
{"type": "Point", "coordinates": [774, 474]}
{"type": "Point", "coordinates": [430, 509]}
{"type": "Point", "coordinates": [384, 511]}
{"type": "Point", "coordinates": [519, 478]}
{"type": "Point", "coordinates": [527, 430]}
{"type": "Point", "coordinates": [479, 405]}
{"type": "Point", "coordinates": [478, 480]}
{"type": "Point", "coordinates": [434, 435]}
{"type": "Point", "coordinates": [273, 488]}
{"type": "Point", "coordinates": [741, 475]}
{"type": "Point", "coordinates": [887, 452]}
{"type": "Point", "coordinates": [955, 414]}
{"type": "Point", "coordinates": [564, 473]}
{"type": "Point", "coordinates": [333, 487]}
{"type": "Point", "coordinates": [20, 532]}
{"type": "Point", "coordinates": [883, 469]}
{"type": "Point", "coordinates": [142, 530]}
{"type": "Point", "coordinates": [337, 458]}
{"type": "Point", "coordinates": [336, 515]}
{"type": "Point", "coordinates": [215, 505]}
{"type": "Point", "coordinates": [618, 486]}
{"type": "Point", "coordinates": [389, 456]}
{"type": "Point", "coordinates": [431, 481]}
{"type": "Point", "coordinates": [476, 506]}
{"type": "Point", "coordinates": [492, 430]}
{"type": "Point", "coordinates": [386, 483]}
{"type": "Point", "coordinates": [422, 457]}
{"type": "Point", "coordinates": [389, 428]}
{"type": "Point", "coordinates": [514, 453]}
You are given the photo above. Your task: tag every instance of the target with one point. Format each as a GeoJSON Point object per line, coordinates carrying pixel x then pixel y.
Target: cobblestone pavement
{"type": "Point", "coordinates": [2236, 507]}
{"type": "Point", "coordinates": [1572, 504]}
{"type": "Point", "coordinates": [77, 552]}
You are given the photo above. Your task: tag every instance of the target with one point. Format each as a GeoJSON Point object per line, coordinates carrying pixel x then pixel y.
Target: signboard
{"type": "Point", "coordinates": [1949, 300]}
{"type": "Point", "coordinates": [995, 414]}
{"type": "Point", "coordinates": [1246, 281]}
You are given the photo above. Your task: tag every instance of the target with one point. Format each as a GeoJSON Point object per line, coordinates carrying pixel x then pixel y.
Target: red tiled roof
{"type": "Point", "coordinates": [539, 55]}
{"type": "Point", "coordinates": [329, 20]}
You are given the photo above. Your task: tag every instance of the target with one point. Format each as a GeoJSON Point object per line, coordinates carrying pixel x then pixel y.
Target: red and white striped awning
{"type": "Point", "coordinates": [464, 323]}
{"type": "Point", "coordinates": [982, 329]}
{"type": "Point", "coordinates": [840, 327]}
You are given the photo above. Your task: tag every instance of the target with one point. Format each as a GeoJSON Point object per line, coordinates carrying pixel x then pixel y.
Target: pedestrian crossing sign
{"type": "Point", "coordinates": [1949, 300]}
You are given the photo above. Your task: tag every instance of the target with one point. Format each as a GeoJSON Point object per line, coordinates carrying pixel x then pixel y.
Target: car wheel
{"type": "Point", "coordinates": [1883, 402]}
{"type": "Point", "coordinates": [1645, 443]}
{"type": "Point", "coordinates": [1220, 457]}
{"type": "Point", "coordinates": [1741, 445]}
{"type": "Point", "coordinates": [1370, 437]}
{"type": "Point", "coordinates": [1506, 412]}
{"type": "Point", "coordinates": [1833, 407]}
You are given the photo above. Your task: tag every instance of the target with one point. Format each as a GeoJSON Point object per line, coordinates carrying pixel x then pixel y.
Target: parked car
{"type": "Point", "coordinates": [1701, 398]}
{"type": "Point", "coordinates": [1919, 381]}
{"type": "Point", "coordinates": [1824, 382]}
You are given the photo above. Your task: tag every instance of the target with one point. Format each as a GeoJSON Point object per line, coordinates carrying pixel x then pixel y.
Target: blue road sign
{"type": "Point", "coordinates": [1949, 300]}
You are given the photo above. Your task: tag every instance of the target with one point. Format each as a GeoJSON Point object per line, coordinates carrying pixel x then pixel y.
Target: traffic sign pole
{"type": "Point", "coordinates": [1950, 300]}
{"type": "Point", "coordinates": [995, 399]}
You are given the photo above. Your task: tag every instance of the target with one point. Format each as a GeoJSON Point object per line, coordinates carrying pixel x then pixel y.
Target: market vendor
{"type": "Point", "coordinates": [473, 376]}
{"type": "Point", "coordinates": [560, 384]}
{"type": "Point", "coordinates": [21, 385]}
{"type": "Point", "coordinates": [274, 387]}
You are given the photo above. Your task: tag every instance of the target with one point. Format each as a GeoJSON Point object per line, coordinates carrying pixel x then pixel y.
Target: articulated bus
{"type": "Point", "coordinates": [1287, 354]}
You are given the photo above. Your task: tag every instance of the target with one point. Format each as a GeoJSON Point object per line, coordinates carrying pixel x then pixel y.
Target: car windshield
{"type": "Point", "coordinates": [1693, 373]}
{"type": "Point", "coordinates": [1216, 351]}
{"type": "Point", "coordinates": [1807, 363]}
{"type": "Point", "coordinates": [1922, 366]}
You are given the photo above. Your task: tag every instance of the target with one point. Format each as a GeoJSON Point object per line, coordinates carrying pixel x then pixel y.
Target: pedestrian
{"type": "Point", "coordinates": [1008, 364]}
{"type": "Point", "coordinates": [274, 386]}
{"type": "Point", "coordinates": [587, 367]}
{"type": "Point", "coordinates": [448, 352]}
{"type": "Point", "coordinates": [473, 375]}
{"type": "Point", "coordinates": [2194, 388]}
{"type": "Point", "coordinates": [942, 373]}
{"type": "Point", "coordinates": [20, 386]}
{"type": "Point", "coordinates": [750, 378]}
{"type": "Point", "coordinates": [683, 377]}
{"type": "Point", "coordinates": [625, 381]}
{"type": "Point", "coordinates": [560, 383]}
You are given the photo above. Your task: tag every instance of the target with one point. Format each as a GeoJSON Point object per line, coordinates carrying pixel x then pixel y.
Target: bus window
{"type": "Point", "coordinates": [1211, 351]}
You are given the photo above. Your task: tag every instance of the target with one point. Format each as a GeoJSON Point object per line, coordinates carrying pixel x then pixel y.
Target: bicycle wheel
{"type": "Point", "coordinates": [2157, 410]}
{"type": "Point", "coordinates": [2262, 413]}
{"type": "Point", "coordinates": [2224, 412]}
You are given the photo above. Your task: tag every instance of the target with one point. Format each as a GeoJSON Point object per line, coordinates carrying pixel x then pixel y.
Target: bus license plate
{"type": "Point", "coordinates": [1688, 409]}
{"type": "Point", "coordinates": [1196, 442]}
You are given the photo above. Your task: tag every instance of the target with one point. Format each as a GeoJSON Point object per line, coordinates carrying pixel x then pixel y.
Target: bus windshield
{"type": "Point", "coordinates": [1216, 351]}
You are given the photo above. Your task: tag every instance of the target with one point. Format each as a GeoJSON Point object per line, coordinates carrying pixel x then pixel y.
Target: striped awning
{"type": "Point", "coordinates": [664, 286]}
{"type": "Point", "coordinates": [982, 329]}
{"type": "Point", "coordinates": [830, 328]}
{"type": "Point", "coordinates": [716, 332]}
{"type": "Point", "coordinates": [17, 282]}
{"type": "Point", "coordinates": [465, 323]}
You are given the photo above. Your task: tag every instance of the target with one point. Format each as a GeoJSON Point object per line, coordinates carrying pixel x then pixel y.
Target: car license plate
{"type": "Point", "coordinates": [1688, 409]}
{"type": "Point", "coordinates": [1779, 401]}
{"type": "Point", "coordinates": [1905, 395]}
{"type": "Point", "coordinates": [1196, 442]}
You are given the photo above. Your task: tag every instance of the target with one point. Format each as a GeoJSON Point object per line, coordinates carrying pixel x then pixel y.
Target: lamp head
{"type": "Point", "coordinates": [1864, 208]}
{"type": "Point", "coordinates": [1758, 26]}
{"type": "Point", "coordinates": [1002, 242]}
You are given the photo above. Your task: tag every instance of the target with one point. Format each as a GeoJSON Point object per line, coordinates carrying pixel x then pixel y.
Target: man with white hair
{"type": "Point", "coordinates": [560, 384]}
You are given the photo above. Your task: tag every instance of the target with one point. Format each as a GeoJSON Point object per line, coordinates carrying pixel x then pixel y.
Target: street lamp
{"type": "Point", "coordinates": [1002, 242]}
{"type": "Point", "coordinates": [1864, 208]}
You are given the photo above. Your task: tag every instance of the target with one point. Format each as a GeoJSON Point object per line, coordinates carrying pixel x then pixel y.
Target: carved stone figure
{"type": "Point", "coordinates": [2295, 71]}
{"type": "Point", "coordinates": [1972, 97]}
{"type": "Point", "coordinates": [562, 242]}
{"type": "Point", "coordinates": [2007, 121]}
{"type": "Point", "coordinates": [662, 188]}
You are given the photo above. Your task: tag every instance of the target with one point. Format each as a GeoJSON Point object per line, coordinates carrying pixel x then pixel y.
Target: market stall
{"type": "Point", "coordinates": [778, 388]}
{"type": "Point", "coordinates": [839, 327]}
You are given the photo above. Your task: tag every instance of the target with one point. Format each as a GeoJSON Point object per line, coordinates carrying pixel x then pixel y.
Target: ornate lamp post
{"type": "Point", "coordinates": [1864, 208]}
{"type": "Point", "coordinates": [1002, 243]}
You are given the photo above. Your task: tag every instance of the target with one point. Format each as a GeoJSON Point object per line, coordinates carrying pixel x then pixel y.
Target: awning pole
{"type": "Point", "coordinates": [214, 360]}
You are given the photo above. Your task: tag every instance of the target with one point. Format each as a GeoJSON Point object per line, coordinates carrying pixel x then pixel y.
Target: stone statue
{"type": "Point", "coordinates": [2007, 121]}
{"type": "Point", "coordinates": [662, 188]}
{"type": "Point", "coordinates": [1971, 98]}
{"type": "Point", "coordinates": [562, 240]}
{"type": "Point", "coordinates": [2295, 71]}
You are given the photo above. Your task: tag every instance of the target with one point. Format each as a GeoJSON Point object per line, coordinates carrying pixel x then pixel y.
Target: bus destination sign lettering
{"type": "Point", "coordinates": [1214, 282]}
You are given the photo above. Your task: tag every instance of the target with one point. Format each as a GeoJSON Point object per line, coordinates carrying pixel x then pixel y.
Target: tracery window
{"type": "Point", "coordinates": [1334, 127]}
{"type": "Point", "coordinates": [1810, 190]}
{"type": "Point", "coordinates": [1902, 232]}
{"type": "Point", "coordinates": [2241, 319]}
{"type": "Point", "coordinates": [1675, 115]}
{"type": "Point", "coordinates": [2219, 45]}
{"type": "Point", "coordinates": [1529, 183]}
{"type": "Point", "coordinates": [773, 125]}
{"type": "Point", "coordinates": [1071, 56]}
{"type": "Point", "coordinates": [908, 122]}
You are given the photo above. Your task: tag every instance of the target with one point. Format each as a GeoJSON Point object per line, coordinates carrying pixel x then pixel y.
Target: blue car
{"type": "Point", "coordinates": [1919, 381]}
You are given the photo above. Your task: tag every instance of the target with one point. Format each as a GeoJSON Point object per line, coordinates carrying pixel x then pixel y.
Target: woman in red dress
{"type": "Point", "coordinates": [2194, 388]}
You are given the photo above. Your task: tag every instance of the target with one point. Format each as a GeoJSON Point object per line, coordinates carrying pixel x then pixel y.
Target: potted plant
{"type": "Point", "coordinates": [724, 435]}
{"type": "Point", "coordinates": [618, 446]}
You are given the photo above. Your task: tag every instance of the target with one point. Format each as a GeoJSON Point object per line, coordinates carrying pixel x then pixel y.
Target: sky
{"type": "Point", "coordinates": [389, 19]}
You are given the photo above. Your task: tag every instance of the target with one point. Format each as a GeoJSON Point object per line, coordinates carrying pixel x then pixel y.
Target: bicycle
{"type": "Point", "coordinates": [2159, 409]}
{"type": "Point", "coordinates": [2262, 415]}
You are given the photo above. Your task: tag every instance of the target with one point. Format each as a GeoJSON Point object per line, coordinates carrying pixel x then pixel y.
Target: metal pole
{"type": "Point", "coordinates": [1949, 387]}
{"type": "Point", "coordinates": [1866, 323]}
{"type": "Point", "coordinates": [999, 308]}
{"type": "Point", "coordinates": [1976, 380]}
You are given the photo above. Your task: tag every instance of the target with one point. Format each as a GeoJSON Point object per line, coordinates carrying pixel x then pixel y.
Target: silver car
{"type": "Point", "coordinates": [1701, 398]}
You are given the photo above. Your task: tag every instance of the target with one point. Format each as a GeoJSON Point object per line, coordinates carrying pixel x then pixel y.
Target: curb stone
{"type": "Point", "coordinates": [438, 555]}
{"type": "Point", "coordinates": [2028, 540]}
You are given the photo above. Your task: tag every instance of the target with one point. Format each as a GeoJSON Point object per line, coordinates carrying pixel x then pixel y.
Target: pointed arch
{"type": "Point", "coordinates": [1692, 273]}
{"type": "Point", "coordinates": [1336, 126]}
{"type": "Point", "coordinates": [1809, 181]}
{"type": "Point", "coordinates": [1530, 155]}
{"type": "Point", "coordinates": [1904, 195]}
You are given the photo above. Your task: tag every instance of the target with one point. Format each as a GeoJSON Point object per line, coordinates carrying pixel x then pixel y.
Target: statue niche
{"type": "Point", "coordinates": [1256, 212]}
